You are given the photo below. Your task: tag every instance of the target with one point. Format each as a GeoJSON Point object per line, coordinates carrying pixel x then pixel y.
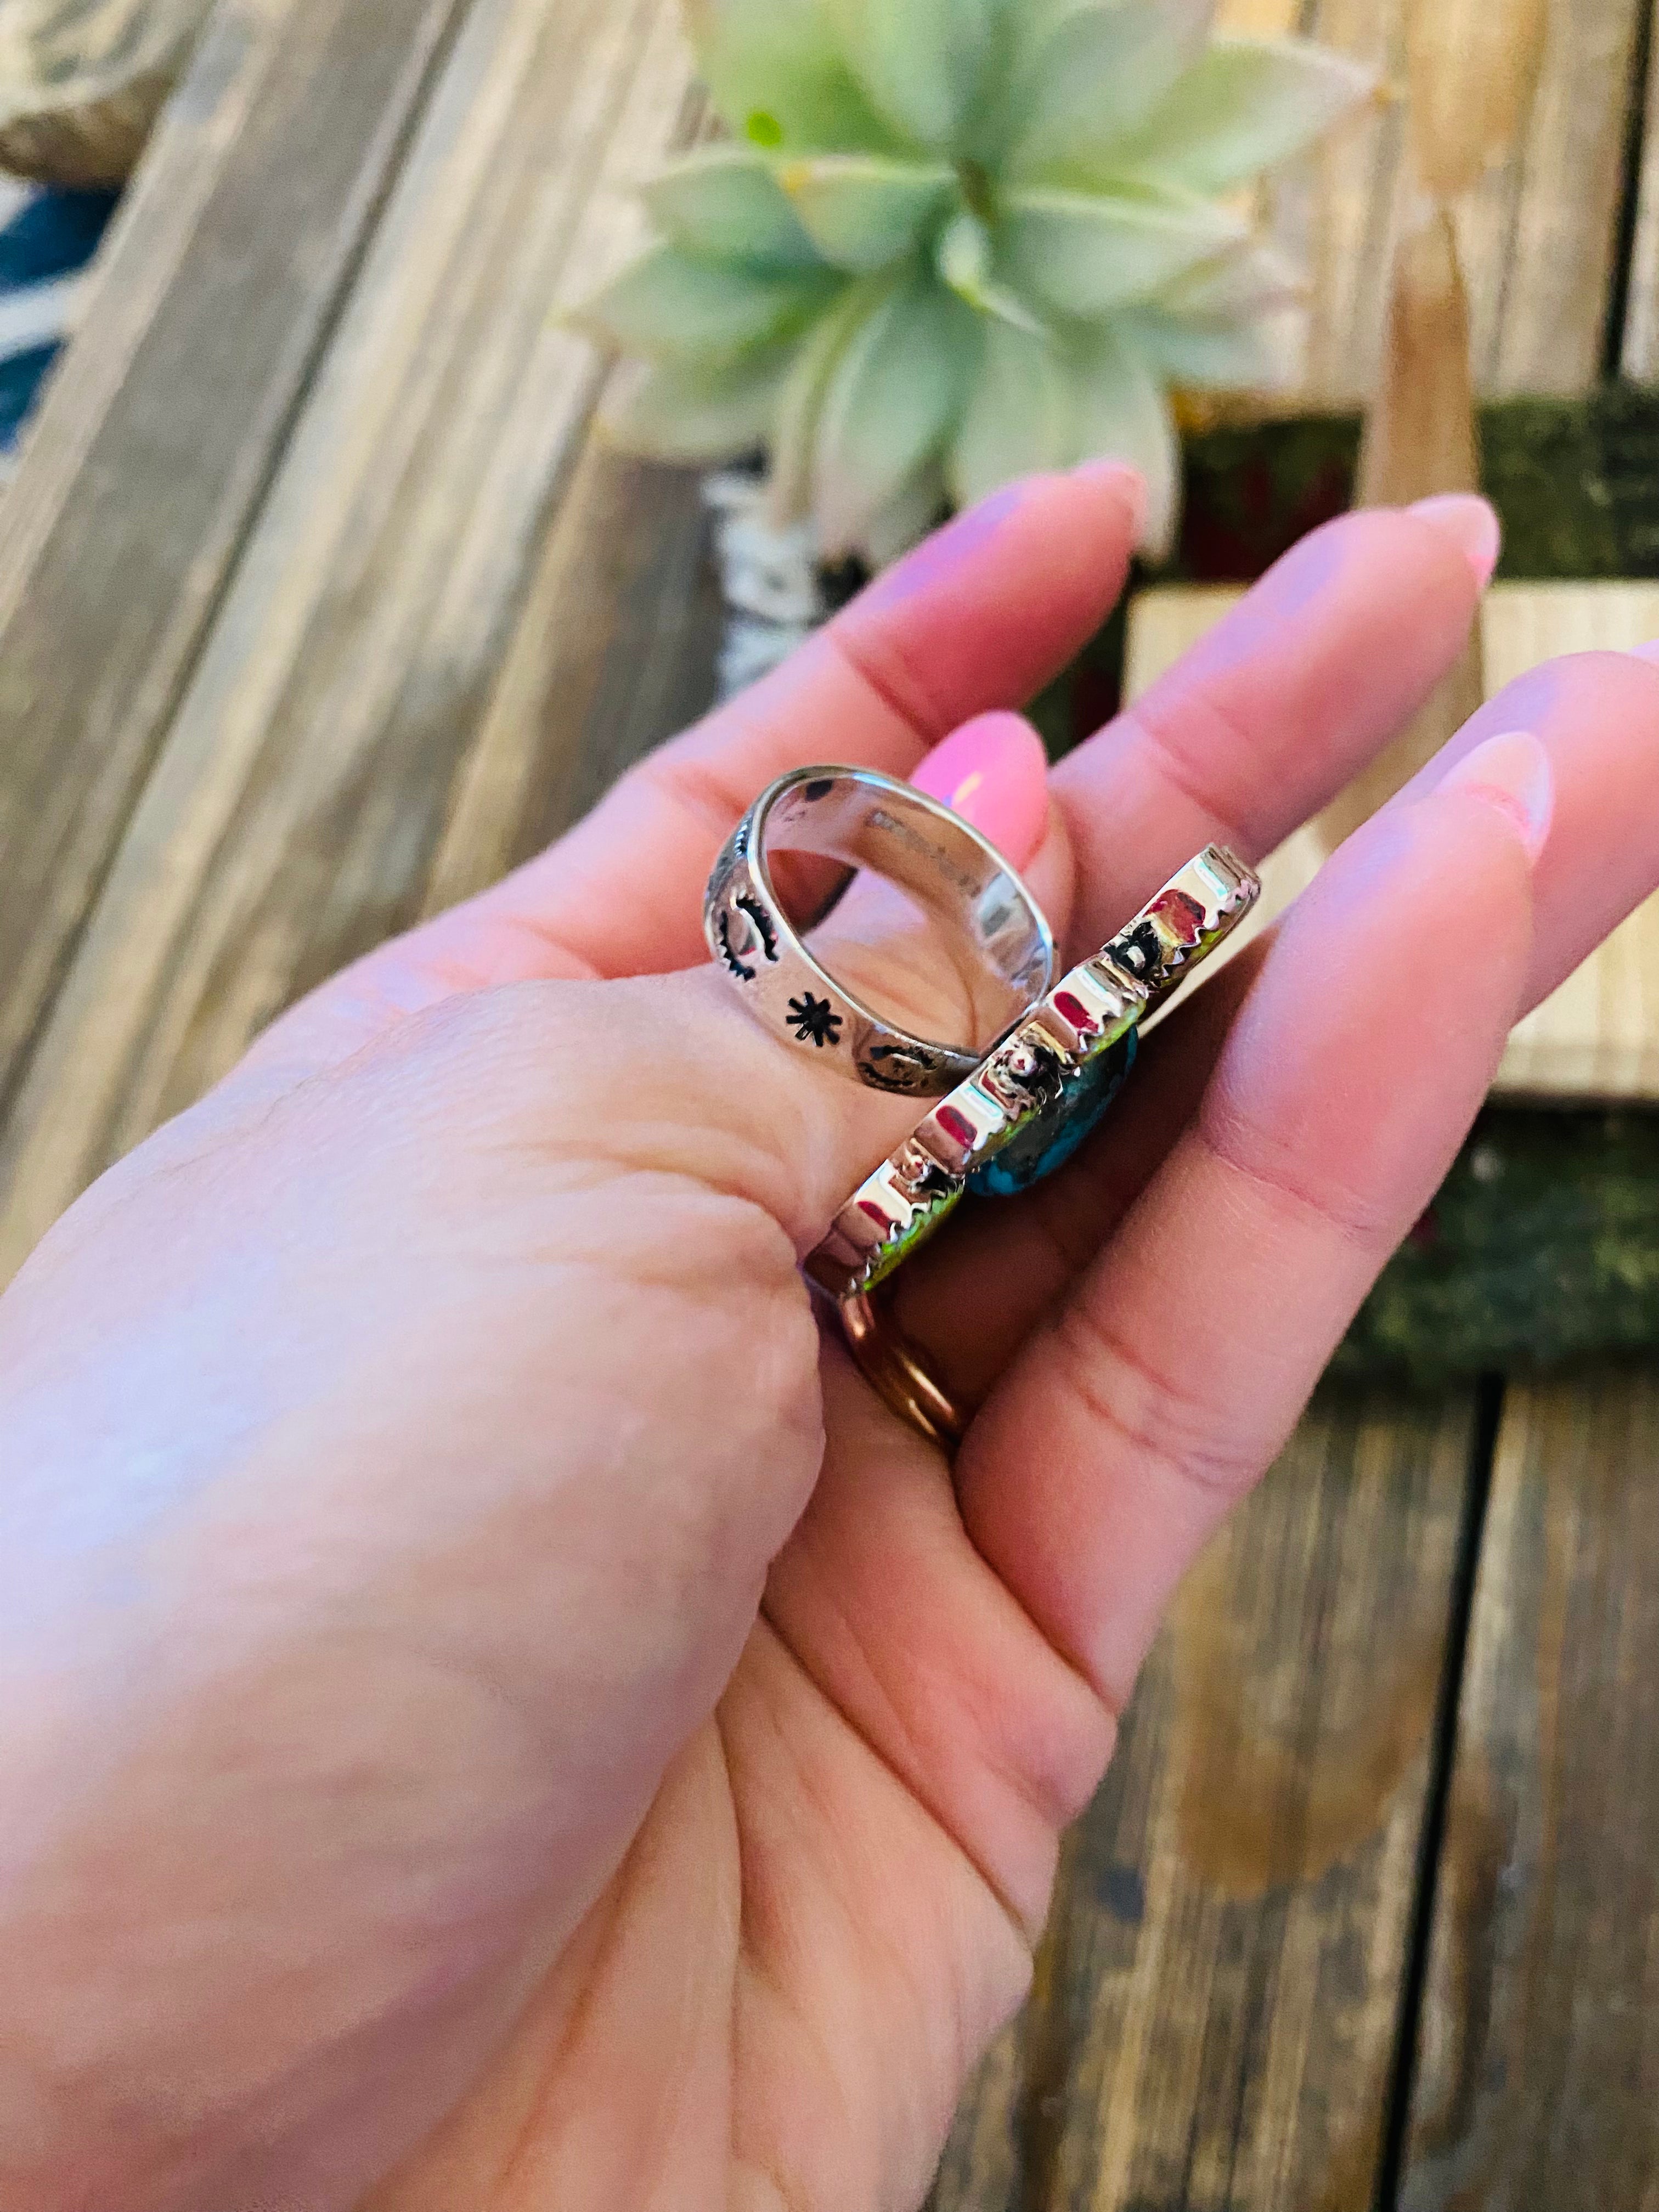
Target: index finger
{"type": "Point", "coordinates": [982, 615]}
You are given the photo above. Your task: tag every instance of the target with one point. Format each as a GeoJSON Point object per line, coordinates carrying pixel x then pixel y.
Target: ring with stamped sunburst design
{"type": "Point", "coordinates": [1035, 1099]}
{"type": "Point", "coordinates": [858, 818]}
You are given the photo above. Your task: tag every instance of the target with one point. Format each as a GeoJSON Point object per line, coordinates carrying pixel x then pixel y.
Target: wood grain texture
{"type": "Point", "coordinates": [613, 650]}
{"type": "Point", "coordinates": [1638, 340]}
{"type": "Point", "coordinates": [159, 437]}
{"type": "Point", "coordinates": [1597, 1037]}
{"type": "Point", "coordinates": [294, 810]}
{"type": "Point", "coordinates": [1538, 2062]}
{"type": "Point", "coordinates": [981, 2169]}
{"type": "Point", "coordinates": [1215, 2016]}
{"type": "Point", "coordinates": [1419, 439]}
{"type": "Point", "coordinates": [1537, 236]}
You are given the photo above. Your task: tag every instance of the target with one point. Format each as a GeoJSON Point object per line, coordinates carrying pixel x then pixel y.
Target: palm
{"type": "Point", "coordinates": [829, 1906]}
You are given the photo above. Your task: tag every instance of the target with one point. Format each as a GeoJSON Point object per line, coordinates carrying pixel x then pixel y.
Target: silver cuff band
{"type": "Point", "coordinates": [859, 818]}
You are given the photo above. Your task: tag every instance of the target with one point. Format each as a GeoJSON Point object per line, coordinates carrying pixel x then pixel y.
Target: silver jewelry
{"type": "Point", "coordinates": [1036, 1098]}
{"type": "Point", "coordinates": [861, 819]}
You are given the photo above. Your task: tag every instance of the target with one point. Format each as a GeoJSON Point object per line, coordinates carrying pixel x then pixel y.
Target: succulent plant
{"type": "Point", "coordinates": [950, 241]}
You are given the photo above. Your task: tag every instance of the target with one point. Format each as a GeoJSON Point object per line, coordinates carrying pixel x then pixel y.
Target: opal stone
{"type": "Point", "coordinates": [1049, 1140]}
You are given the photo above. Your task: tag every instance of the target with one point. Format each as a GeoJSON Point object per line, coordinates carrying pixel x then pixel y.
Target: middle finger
{"type": "Point", "coordinates": [1318, 666]}
{"type": "Point", "coordinates": [973, 1296]}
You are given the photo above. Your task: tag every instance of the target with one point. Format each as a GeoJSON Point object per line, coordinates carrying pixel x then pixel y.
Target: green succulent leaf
{"type": "Point", "coordinates": [919, 502]}
{"type": "Point", "coordinates": [1214, 355]}
{"type": "Point", "coordinates": [1251, 278]}
{"type": "Point", "coordinates": [1020, 413]}
{"type": "Point", "coordinates": [778, 78]}
{"type": "Point", "coordinates": [673, 411]}
{"type": "Point", "coordinates": [800, 402]}
{"type": "Point", "coordinates": [669, 305]}
{"type": "Point", "coordinates": [1244, 105]}
{"type": "Point", "coordinates": [1088, 73]}
{"type": "Point", "coordinates": [725, 204]}
{"type": "Point", "coordinates": [864, 211]}
{"type": "Point", "coordinates": [1081, 255]}
{"type": "Point", "coordinates": [1121, 410]}
{"type": "Point", "coordinates": [922, 62]}
{"type": "Point", "coordinates": [889, 402]}
{"type": "Point", "coordinates": [965, 258]}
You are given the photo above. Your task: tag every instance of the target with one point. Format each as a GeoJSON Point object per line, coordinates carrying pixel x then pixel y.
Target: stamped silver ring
{"type": "Point", "coordinates": [859, 818]}
{"type": "Point", "coordinates": [1040, 1092]}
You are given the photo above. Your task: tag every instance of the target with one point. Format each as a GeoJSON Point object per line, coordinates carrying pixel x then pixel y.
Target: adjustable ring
{"type": "Point", "coordinates": [1038, 1095]}
{"type": "Point", "coordinates": [858, 818]}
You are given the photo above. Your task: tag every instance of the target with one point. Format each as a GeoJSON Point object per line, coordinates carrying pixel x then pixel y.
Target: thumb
{"type": "Point", "coordinates": [787, 1127]}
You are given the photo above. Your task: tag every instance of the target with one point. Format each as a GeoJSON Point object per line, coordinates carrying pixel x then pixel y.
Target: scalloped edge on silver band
{"type": "Point", "coordinates": [900, 1205]}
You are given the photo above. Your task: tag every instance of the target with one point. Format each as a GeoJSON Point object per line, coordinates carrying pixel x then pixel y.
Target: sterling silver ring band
{"type": "Point", "coordinates": [858, 818]}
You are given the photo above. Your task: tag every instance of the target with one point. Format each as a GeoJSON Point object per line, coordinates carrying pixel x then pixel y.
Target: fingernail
{"type": "Point", "coordinates": [1647, 652]}
{"type": "Point", "coordinates": [993, 772]}
{"type": "Point", "coordinates": [1122, 479]}
{"type": "Point", "coordinates": [1471, 523]}
{"type": "Point", "coordinates": [1512, 773]}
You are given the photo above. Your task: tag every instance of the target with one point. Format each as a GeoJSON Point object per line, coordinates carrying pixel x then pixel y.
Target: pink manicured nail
{"type": "Point", "coordinates": [1647, 652]}
{"type": "Point", "coordinates": [1472, 524]}
{"type": "Point", "coordinates": [1123, 478]}
{"type": "Point", "coordinates": [993, 772]}
{"type": "Point", "coordinates": [1512, 773]}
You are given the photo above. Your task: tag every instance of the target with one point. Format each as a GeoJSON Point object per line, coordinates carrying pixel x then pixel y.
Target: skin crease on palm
{"type": "Point", "coordinates": [497, 1713]}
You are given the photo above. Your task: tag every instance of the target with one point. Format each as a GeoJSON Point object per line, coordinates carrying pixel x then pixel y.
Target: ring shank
{"type": "Point", "coordinates": [1000, 943]}
{"type": "Point", "coordinates": [950, 872]}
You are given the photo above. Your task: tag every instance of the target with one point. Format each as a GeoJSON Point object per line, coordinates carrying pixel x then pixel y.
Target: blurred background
{"type": "Point", "coordinates": [414, 410]}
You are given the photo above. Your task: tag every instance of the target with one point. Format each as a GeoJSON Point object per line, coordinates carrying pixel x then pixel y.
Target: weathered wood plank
{"type": "Point", "coordinates": [1597, 1037]}
{"type": "Point", "coordinates": [979, 2170]}
{"type": "Point", "coordinates": [1538, 2075]}
{"type": "Point", "coordinates": [1638, 341]}
{"type": "Point", "coordinates": [157, 441]}
{"type": "Point", "coordinates": [293, 811]}
{"type": "Point", "coordinates": [1545, 234]}
{"type": "Point", "coordinates": [1537, 236]}
{"type": "Point", "coordinates": [1216, 2015]}
{"type": "Point", "coordinates": [613, 650]}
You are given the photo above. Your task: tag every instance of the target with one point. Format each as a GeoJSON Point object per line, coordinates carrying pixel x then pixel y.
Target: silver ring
{"type": "Point", "coordinates": [1041, 1090]}
{"type": "Point", "coordinates": [859, 818]}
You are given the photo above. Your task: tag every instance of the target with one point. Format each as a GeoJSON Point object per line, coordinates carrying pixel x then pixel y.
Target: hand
{"type": "Point", "coordinates": [489, 1695]}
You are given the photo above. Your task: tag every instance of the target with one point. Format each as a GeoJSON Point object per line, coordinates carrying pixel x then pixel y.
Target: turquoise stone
{"type": "Point", "coordinates": [1049, 1141]}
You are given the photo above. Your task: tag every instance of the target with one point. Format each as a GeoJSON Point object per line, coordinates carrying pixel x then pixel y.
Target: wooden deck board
{"type": "Point", "coordinates": [156, 446]}
{"type": "Point", "coordinates": [1538, 235]}
{"type": "Point", "coordinates": [1215, 2017]}
{"type": "Point", "coordinates": [300, 793]}
{"type": "Point", "coordinates": [1538, 2062]}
